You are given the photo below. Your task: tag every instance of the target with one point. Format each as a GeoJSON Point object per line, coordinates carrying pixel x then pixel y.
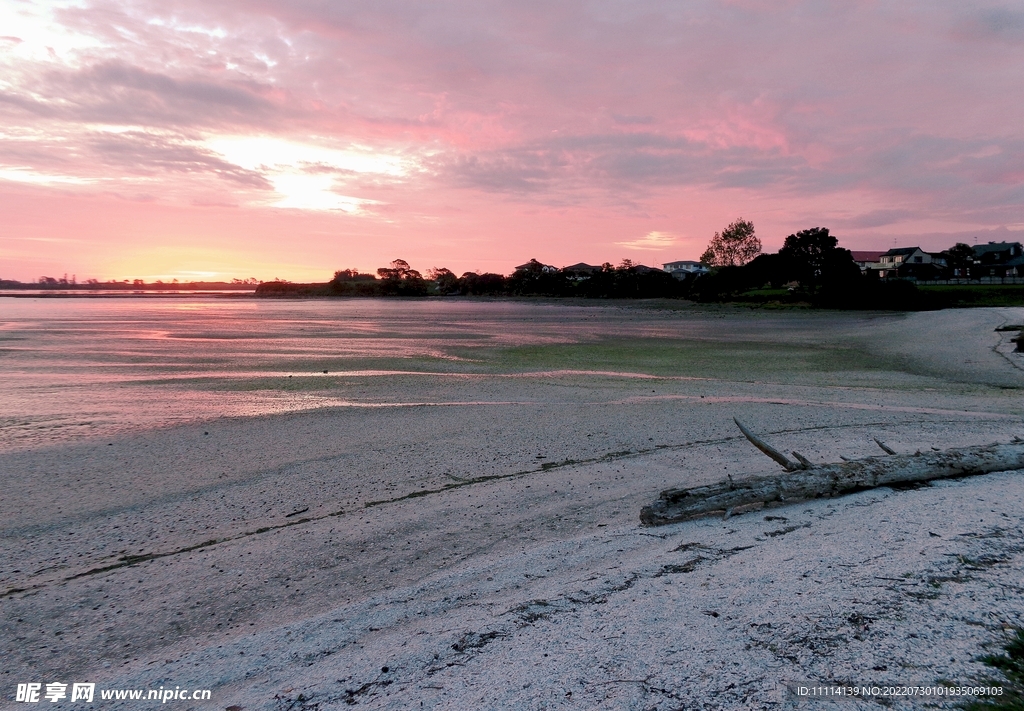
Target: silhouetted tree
{"type": "Point", "coordinates": [774, 270]}
{"type": "Point", "coordinates": [349, 282]}
{"type": "Point", "coordinates": [400, 271]}
{"type": "Point", "coordinates": [444, 280]}
{"type": "Point", "coordinates": [536, 278]}
{"type": "Point", "coordinates": [401, 280]}
{"type": "Point", "coordinates": [350, 275]}
{"type": "Point", "coordinates": [486, 284]}
{"type": "Point", "coordinates": [732, 247]}
{"type": "Point", "coordinates": [814, 257]}
{"type": "Point", "coordinates": [959, 259]}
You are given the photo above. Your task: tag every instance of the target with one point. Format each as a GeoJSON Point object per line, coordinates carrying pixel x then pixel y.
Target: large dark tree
{"type": "Point", "coordinates": [345, 275]}
{"type": "Point", "coordinates": [486, 284]}
{"type": "Point", "coordinates": [732, 247]}
{"type": "Point", "coordinates": [815, 258]}
{"type": "Point", "coordinates": [771, 269]}
{"type": "Point", "coordinates": [959, 259]}
{"type": "Point", "coordinates": [444, 280]}
{"type": "Point", "coordinates": [535, 278]}
{"type": "Point", "coordinates": [400, 271]}
{"type": "Point", "coordinates": [402, 280]}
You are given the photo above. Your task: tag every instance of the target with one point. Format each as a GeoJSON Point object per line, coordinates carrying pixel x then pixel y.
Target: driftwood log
{"type": "Point", "coordinates": [805, 480]}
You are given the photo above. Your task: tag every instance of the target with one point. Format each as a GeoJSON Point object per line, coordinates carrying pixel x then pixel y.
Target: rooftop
{"type": "Point", "coordinates": [1013, 247]}
{"type": "Point", "coordinates": [897, 251]}
{"type": "Point", "coordinates": [581, 267]}
{"type": "Point", "coordinates": [870, 256]}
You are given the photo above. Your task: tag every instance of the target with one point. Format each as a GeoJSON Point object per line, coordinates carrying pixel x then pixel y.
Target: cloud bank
{"type": "Point", "coordinates": [475, 133]}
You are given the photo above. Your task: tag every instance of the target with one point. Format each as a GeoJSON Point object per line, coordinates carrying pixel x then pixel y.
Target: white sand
{"type": "Point", "coordinates": [538, 588]}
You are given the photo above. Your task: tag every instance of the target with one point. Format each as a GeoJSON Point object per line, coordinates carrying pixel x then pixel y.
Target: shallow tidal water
{"type": "Point", "coordinates": [87, 367]}
{"type": "Point", "coordinates": [75, 368]}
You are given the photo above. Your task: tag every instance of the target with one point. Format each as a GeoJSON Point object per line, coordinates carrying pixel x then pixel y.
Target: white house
{"type": "Point", "coordinates": [891, 261]}
{"type": "Point", "coordinates": [684, 269]}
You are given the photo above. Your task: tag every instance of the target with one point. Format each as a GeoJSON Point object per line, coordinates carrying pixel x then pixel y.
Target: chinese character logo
{"type": "Point", "coordinates": [82, 692]}
{"type": "Point", "coordinates": [28, 693]}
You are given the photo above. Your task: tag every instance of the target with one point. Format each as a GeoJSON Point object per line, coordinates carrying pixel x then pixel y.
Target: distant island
{"type": "Point", "coordinates": [628, 280]}
{"type": "Point", "coordinates": [64, 284]}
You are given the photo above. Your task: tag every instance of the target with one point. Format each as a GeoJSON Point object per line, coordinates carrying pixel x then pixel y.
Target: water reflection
{"type": "Point", "coordinates": [81, 367]}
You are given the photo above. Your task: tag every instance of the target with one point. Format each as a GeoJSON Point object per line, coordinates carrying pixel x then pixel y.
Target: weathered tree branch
{"type": "Point", "coordinates": [804, 461]}
{"type": "Point", "coordinates": [881, 444]}
{"type": "Point", "coordinates": [827, 480]}
{"type": "Point", "coordinates": [768, 449]}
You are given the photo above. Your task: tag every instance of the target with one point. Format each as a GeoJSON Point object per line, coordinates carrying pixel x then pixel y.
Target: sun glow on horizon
{"type": "Point", "coordinates": [197, 263]}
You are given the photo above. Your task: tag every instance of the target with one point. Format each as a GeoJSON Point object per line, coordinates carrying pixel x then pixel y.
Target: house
{"type": "Point", "coordinates": [644, 269]}
{"type": "Point", "coordinates": [684, 269]}
{"type": "Point", "coordinates": [534, 266]}
{"type": "Point", "coordinates": [867, 260]}
{"type": "Point", "coordinates": [686, 266]}
{"type": "Point", "coordinates": [909, 262]}
{"type": "Point", "coordinates": [998, 259]}
{"type": "Point", "coordinates": [581, 268]}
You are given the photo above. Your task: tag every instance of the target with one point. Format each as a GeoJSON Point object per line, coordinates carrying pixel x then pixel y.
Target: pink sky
{"type": "Point", "coordinates": [269, 139]}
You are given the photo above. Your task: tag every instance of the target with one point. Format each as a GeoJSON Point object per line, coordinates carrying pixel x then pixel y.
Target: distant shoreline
{"type": "Point", "coordinates": [114, 294]}
{"type": "Point", "coordinates": [931, 298]}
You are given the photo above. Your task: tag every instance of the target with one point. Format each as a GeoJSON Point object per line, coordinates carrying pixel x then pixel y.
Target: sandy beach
{"type": "Point", "coordinates": [473, 541]}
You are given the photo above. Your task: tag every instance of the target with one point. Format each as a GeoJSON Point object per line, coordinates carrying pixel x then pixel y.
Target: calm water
{"type": "Point", "coordinates": [86, 367]}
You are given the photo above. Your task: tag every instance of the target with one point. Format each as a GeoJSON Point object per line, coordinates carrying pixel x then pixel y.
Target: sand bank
{"type": "Point", "coordinates": [487, 551]}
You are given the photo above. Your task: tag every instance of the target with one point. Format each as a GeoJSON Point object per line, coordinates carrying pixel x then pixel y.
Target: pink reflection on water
{"type": "Point", "coordinates": [75, 368]}
{"type": "Point", "coordinates": [81, 367]}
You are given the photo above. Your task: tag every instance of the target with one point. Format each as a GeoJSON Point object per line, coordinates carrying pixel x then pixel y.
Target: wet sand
{"type": "Point", "coordinates": [486, 548]}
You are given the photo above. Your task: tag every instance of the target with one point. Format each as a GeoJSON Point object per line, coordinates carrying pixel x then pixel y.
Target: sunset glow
{"type": "Point", "coordinates": [270, 139]}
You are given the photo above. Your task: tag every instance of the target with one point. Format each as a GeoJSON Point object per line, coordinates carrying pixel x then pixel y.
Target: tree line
{"type": "Point", "coordinates": [810, 262]}
{"type": "Point", "coordinates": [810, 268]}
{"type": "Point", "coordinates": [626, 280]}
